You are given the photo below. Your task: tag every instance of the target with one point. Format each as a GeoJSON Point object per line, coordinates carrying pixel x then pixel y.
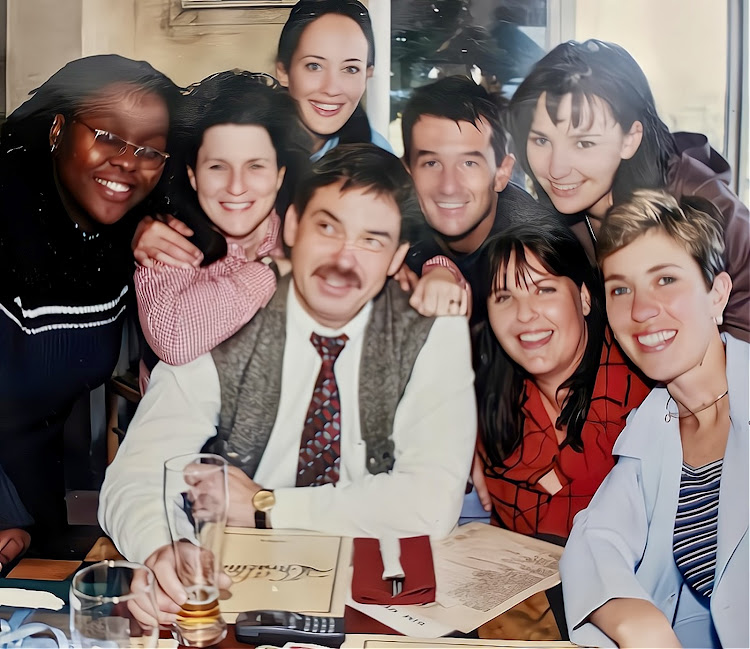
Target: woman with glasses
{"type": "Point", "coordinates": [660, 556]}
{"type": "Point", "coordinates": [79, 159]}
{"type": "Point", "coordinates": [586, 130]}
{"type": "Point", "coordinates": [326, 54]}
{"type": "Point", "coordinates": [242, 149]}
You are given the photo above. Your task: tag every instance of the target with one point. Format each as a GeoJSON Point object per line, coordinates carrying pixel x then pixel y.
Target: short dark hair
{"type": "Point", "coordinates": [241, 97]}
{"type": "Point", "coordinates": [459, 99]}
{"type": "Point", "coordinates": [67, 91]}
{"type": "Point", "coordinates": [364, 166]}
{"type": "Point", "coordinates": [588, 70]}
{"type": "Point", "coordinates": [234, 97]}
{"type": "Point", "coordinates": [500, 380]}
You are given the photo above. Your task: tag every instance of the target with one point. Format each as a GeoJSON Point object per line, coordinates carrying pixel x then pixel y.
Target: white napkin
{"type": "Point", "coordinates": [390, 553]}
{"type": "Point", "coordinates": [22, 598]}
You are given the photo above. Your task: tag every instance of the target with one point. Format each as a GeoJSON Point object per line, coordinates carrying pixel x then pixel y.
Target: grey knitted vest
{"type": "Point", "coordinates": [250, 362]}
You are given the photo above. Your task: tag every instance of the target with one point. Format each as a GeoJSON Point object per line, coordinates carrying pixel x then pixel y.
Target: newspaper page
{"type": "Point", "coordinates": [481, 571]}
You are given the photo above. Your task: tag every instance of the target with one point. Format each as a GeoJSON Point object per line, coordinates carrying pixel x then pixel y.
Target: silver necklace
{"type": "Point", "coordinates": [671, 415]}
{"type": "Point", "coordinates": [591, 230]}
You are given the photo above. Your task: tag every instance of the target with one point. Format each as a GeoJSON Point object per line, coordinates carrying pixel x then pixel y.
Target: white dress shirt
{"type": "Point", "coordinates": [434, 433]}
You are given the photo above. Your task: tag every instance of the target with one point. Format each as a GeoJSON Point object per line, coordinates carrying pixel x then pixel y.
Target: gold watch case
{"type": "Point", "coordinates": [264, 500]}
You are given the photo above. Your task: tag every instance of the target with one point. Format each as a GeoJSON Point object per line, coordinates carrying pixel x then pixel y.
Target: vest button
{"type": "Point", "coordinates": [372, 460]}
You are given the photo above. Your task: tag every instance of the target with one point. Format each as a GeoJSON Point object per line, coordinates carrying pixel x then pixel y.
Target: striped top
{"type": "Point", "coordinates": [696, 524]}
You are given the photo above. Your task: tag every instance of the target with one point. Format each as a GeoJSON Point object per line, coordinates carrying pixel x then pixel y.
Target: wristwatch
{"type": "Point", "coordinates": [263, 501]}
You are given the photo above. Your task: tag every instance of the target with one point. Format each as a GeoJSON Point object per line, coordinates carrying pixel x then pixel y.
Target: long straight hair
{"type": "Point", "coordinates": [499, 379]}
{"type": "Point", "coordinates": [589, 70]}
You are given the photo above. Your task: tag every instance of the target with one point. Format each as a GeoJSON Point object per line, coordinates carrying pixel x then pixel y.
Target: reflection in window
{"type": "Point", "coordinates": [495, 43]}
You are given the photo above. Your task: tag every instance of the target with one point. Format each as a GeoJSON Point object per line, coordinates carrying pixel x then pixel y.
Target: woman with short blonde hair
{"type": "Point", "coordinates": [660, 557]}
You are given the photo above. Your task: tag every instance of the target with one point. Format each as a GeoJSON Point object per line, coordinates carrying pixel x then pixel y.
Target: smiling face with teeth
{"type": "Point", "coordinates": [576, 165]}
{"type": "Point", "coordinates": [327, 73]}
{"type": "Point", "coordinates": [457, 178]}
{"type": "Point", "coordinates": [106, 187]}
{"type": "Point", "coordinates": [237, 177]}
{"type": "Point", "coordinates": [658, 305]}
{"type": "Point", "coordinates": [539, 320]}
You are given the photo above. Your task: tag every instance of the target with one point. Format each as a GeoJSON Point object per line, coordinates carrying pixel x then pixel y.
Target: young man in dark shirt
{"type": "Point", "coordinates": [455, 148]}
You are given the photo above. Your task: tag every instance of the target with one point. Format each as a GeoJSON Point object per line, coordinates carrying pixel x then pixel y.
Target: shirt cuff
{"type": "Point", "coordinates": [293, 509]}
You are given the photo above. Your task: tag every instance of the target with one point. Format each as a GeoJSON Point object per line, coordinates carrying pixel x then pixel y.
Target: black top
{"type": "Point", "coordinates": [513, 204]}
{"type": "Point", "coordinates": [63, 294]}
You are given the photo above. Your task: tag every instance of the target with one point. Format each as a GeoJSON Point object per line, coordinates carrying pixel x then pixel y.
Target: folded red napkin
{"type": "Point", "coordinates": [368, 585]}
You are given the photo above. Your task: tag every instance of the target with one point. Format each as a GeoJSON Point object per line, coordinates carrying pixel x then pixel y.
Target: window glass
{"type": "Point", "coordinates": [496, 42]}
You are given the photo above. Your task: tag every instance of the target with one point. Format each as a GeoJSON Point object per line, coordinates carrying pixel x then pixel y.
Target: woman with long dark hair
{"type": "Point", "coordinates": [552, 387]}
{"type": "Point", "coordinates": [80, 159]}
{"type": "Point", "coordinates": [326, 54]}
{"type": "Point", "coordinates": [587, 132]}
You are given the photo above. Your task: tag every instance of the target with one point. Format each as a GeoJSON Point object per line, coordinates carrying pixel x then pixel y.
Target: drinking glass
{"type": "Point", "coordinates": [195, 501]}
{"type": "Point", "coordinates": [112, 604]}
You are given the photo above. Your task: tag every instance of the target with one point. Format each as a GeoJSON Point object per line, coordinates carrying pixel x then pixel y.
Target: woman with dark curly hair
{"type": "Point", "coordinates": [79, 159]}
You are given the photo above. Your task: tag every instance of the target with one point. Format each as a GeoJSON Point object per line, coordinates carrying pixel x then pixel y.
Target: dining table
{"type": "Point", "coordinates": [533, 620]}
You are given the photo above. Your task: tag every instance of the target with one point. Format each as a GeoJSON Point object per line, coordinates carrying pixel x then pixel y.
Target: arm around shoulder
{"type": "Point", "coordinates": [186, 312]}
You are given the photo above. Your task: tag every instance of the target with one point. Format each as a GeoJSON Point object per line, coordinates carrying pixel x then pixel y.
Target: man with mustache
{"type": "Point", "coordinates": [388, 438]}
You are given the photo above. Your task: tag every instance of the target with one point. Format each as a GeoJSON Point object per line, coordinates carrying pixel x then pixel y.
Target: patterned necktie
{"type": "Point", "coordinates": [320, 448]}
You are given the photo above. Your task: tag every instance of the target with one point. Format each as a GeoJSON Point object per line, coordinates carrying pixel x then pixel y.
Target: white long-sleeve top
{"type": "Point", "coordinates": [434, 432]}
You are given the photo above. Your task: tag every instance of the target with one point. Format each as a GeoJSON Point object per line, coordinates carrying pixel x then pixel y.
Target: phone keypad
{"type": "Point", "coordinates": [318, 624]}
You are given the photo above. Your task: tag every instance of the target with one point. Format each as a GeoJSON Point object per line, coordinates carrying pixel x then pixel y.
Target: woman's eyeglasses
{"type": "Point", "coordinates": [113, 145]}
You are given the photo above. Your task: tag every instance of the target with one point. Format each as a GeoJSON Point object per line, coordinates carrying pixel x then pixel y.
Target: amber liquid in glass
{"type": "Point", "coordinates": [199, 623]}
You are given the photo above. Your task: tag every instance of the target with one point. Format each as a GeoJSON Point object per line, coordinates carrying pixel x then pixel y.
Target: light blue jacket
{"type": "Point", "coordinates": [621, 545]}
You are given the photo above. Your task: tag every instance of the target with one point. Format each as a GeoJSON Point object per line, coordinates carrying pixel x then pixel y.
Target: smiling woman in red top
{"type": "Point", "coordinates": [552, 386]}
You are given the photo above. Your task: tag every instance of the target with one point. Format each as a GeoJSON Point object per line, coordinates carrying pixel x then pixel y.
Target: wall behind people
{"type": "Point", "coordinates": [152, 30]}
{"type": "Point", "coordinates": [670, 58]}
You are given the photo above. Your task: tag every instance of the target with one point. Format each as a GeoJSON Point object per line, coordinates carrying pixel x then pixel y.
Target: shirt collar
{"type": "Point", "coordinates": [304, 325]}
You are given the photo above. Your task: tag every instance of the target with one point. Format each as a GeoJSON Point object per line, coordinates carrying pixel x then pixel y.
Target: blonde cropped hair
{"type": "Point", "coordinates": [693, 222]}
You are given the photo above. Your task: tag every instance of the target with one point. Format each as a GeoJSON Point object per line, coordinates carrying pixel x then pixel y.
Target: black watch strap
{"type": "Point", "coordinates": [261, 521]}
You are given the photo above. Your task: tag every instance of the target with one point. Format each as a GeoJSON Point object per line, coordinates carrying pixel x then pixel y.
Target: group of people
{"type": "Point", "coordinates": [358, 335]}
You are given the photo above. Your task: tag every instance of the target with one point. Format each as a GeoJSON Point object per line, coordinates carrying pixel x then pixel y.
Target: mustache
{"type": "Point", "coordinates": [348, 276]}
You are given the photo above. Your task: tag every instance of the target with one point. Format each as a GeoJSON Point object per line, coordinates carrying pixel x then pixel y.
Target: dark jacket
{"type": "Point", "coordinates": [699, 170]}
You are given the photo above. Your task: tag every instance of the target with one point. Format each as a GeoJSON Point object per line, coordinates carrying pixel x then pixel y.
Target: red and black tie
{"type": "Point", "coordinates": [320, 447]}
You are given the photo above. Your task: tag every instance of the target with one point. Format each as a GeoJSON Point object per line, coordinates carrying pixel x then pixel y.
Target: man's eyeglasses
{"type": "Point", "coordinates": [113, 145]}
